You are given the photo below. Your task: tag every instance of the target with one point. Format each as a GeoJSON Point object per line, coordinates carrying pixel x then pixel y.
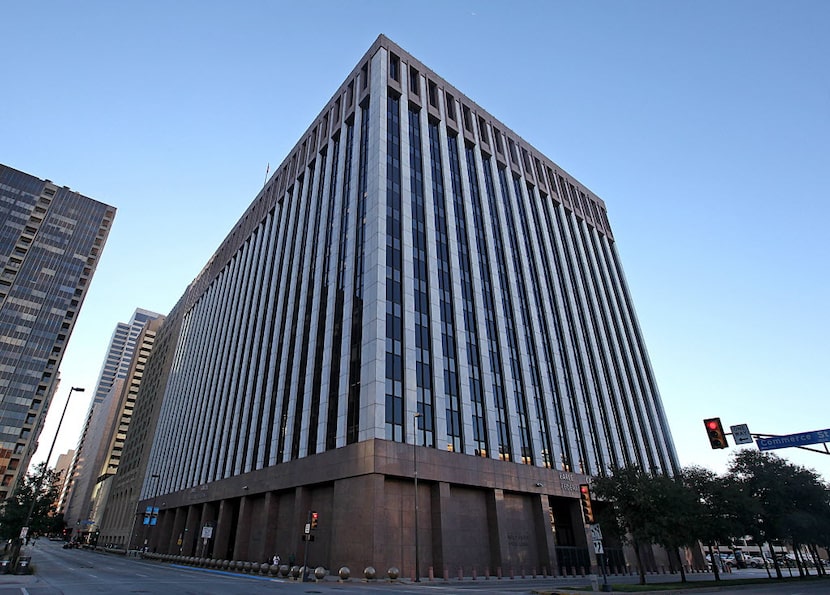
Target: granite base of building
{"type": "Point", "coordinates": [475, 516]}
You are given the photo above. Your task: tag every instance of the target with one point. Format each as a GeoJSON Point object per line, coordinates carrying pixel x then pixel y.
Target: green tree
{"type": "Point", "coordinates": [723, 510]}
{"type": "Point", "coordinates": [790, 502]}
{"type": "Point", "coordinates": [36, 493]}
{"type": "Point", "coordinates": [645, 509]}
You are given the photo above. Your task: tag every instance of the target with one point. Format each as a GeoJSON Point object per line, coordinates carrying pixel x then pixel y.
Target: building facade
{"type": "Point", "coordinates": [416, 293]}
{"type": "Point", "coordinates": [108, 418]}
{"type": "Point", "coordinates": [51, 239]}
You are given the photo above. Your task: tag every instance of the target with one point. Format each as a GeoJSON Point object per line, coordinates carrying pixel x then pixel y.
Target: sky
{"type": "Point", "coordinates": [704, 126]}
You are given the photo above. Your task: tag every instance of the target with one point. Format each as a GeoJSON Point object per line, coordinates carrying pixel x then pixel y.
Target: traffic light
{"type": "Point", "coordinates": [585, 500]}
{"type": "Point", "coordinates": [314, 517]}
{"type": "Point", "coordinates": [714, 429]}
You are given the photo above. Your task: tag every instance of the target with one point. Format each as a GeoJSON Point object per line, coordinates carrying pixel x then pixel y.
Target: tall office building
{"type": "Point", "coordinates": [51, 239]}
{"type": "Point", "coordinates": [100, 442]}
{"type": "Point", "coordinates": [417, 293]}
{"type": "Point", "coordinates": [117, 524]}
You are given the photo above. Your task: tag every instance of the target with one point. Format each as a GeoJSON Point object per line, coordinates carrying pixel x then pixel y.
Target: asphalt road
{"type": "Point", "coordinates": [84, 572]}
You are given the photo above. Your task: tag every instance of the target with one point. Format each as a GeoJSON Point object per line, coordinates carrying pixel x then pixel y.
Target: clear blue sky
{"type": "Point", "coordinates": [705, 126]}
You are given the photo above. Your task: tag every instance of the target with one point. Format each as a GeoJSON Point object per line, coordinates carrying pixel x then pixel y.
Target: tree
{"type": "Point", "coordinates": [791, 503]}
{"type": "Point", "coordinates": [36, 493]}
{"type": "Point", "coordinates": [723, 511]}
{"type": "Point", "coordinates": [646, 509]}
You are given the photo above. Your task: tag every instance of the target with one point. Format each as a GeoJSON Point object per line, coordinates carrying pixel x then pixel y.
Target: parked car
{"type": "Point", "coordinates": [755, 561]}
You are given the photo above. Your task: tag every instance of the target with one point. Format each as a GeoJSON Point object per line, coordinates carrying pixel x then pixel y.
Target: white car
{"type": "Point", "coordinates": [754, 561]}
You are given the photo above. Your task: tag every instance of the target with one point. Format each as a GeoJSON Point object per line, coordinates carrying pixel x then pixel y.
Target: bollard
{"type": "Point", "coordinates": [344, 573]}
{"type": "Point", "coordinates": [446, 573]}
{"type": "Point", "coordinates": [369, 573]}
{"type": "Point", "coordinates": [431, 573]}
{"type": "Point", "coordinates": [393, 573]}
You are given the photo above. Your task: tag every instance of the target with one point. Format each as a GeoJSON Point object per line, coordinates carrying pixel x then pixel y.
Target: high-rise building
{"type": "Point", "coordinates": [420, 330]}
{"type": "Point", "coordinates": [117, 524]}
{"type": "Point", "coordinates": [51, 239]}
{"type": "Point", "coordinates": [100, 442]}
{"type": "Point", "coordinates": [62, 466]}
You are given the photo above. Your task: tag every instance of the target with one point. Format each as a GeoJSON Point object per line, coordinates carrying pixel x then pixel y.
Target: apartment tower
{"type": "Point", "coordinates": [51, 239]}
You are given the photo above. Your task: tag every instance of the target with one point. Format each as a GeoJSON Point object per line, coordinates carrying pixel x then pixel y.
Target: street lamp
{"type": "Point", "coordinates": [39, 481]}
{"type": "Point", "coordinates": [415, 468]}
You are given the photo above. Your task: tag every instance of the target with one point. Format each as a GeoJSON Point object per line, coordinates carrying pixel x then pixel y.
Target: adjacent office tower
{"type": "Point", "coordinates": [51, 238]}
{"type": "Point", "coordinates": [108, 417]}
{"type": "Point", "coordinates": [417, 297]}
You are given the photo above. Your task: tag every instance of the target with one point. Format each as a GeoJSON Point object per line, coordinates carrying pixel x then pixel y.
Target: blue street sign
{"type": "Point", "coordinates": [816, 437]}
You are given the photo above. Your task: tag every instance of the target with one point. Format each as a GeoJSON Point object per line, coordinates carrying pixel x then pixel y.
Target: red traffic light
{"type": "Point", "coordinates": [714, 429]}
{"type": "Point", "coordinates": [587, 505]}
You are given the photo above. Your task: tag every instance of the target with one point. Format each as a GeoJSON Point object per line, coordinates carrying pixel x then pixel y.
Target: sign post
{"type": "Point", "coordinates": [599, 550]}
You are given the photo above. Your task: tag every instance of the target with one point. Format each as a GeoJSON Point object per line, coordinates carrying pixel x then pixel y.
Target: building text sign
{"type": "Point", "coordinates": [804, 438]}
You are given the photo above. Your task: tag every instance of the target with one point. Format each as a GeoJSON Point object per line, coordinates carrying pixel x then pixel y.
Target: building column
{"type": "Point", "coordinates": [191, 533]}
{"type": "Point", "coordinates": [545, 537]}
{"type": "Point", "coordinates": [174, 539]}
{"type": "Point", "coordinates": [499, 544]}
{"type": "Point", "coordinates": [271, 521]}
{"type": "Point", "coordinates": [440, 496]}
{"type": "Point", "coordinates": [224, 526]}
{"type": "Point", "coordinates": [204, 519]}
{"type": "Point", "coordinates": [241, 540]}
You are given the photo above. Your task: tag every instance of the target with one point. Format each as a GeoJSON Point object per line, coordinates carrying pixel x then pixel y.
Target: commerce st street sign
{"type": "Point", "coordinates": [791, 440]}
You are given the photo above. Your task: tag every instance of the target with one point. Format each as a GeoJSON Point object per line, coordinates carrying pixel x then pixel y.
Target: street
{"type": "Point", "coordinates": [83, 572]}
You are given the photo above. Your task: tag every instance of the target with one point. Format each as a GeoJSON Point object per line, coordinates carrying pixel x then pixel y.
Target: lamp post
{"type": "Point", "coordinates": [415, 468]}
{"type": "Point", "coordinates": [39, 481]}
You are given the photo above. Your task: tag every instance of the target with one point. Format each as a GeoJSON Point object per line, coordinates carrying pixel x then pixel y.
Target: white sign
{"type": "Point", "coordinates": [741, 435]}
{"type": "Point", "coordinates": [207, 532]}
{"type": "Point", "coordinates": [596, 533]}
{"type": "Point", "coordinates": [307, 528]}
{"type": "Point", "coordinates": [598, 548]}
{"type": "Point", "coordinates": [24, 531]}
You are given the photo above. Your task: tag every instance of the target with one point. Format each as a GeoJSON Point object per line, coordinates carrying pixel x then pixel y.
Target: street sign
{"type": "Point", "coordinates": [207, 532]}
{"type": "Point", "coordinates": [791, 440]}
{"type": "Point", "coordinates": [596, 532]}
{"type": "Point", "coordinates": [741, 435]}
{"type": "Point", "coordinates": [598, 549]}
{"type": "Point", "coordinates": [24, 531]}
{"type": "Point", "coordinates": [307, 528]}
